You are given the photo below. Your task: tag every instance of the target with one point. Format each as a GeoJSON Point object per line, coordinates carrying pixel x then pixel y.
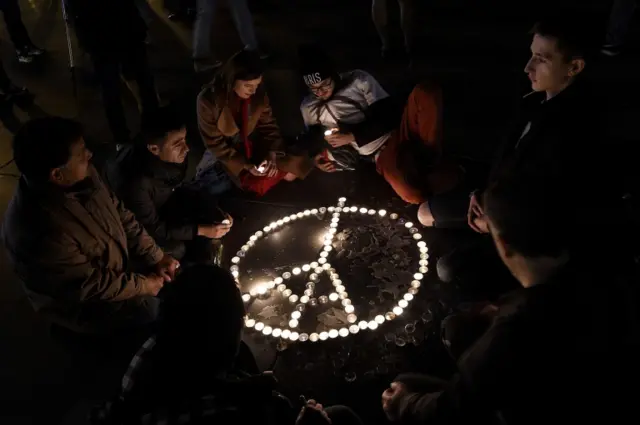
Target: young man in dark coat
{"type": "Point", "coordinates": [154, 179]}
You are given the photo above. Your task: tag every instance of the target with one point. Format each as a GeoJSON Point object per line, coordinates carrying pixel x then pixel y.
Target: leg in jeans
{"type": "Point", "coordinates": [381, 22]}
{"type": "Point", "coordinates": [202, 29]}
{"type": "Point", "coordinates": [619, 21]}
{"type": "Point", "coordinates": [244, 23]}
{"type": "Point", "coordinates": [136, 67]}
{"type": "Point", "coordinates": [107, 69]}
{"type": "Point", "coordinates": [342, 415]}
{"type": "Point", "coordinates": [15, 27]}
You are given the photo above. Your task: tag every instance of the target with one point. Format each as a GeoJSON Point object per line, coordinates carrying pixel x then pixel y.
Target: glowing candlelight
{"type": "Point", "coordinates": [382, 213]}
{"type": "Point", "coordinates": [267, 330]}
{"type": "Point", "coordinates": [323, 336]}
{"type": "Point", "coordinates": [408, 225]}
{"type": "Point", "coordinates": [343, 199]}
{"type": "Point", "coordinates": [294, 336]}
{"type": "Point", "coordinates": [379, 318]}
{"type": "Point", "coordinates": [306, 268]}
{"type": "Point", "coordinates": [276, 332]}
{"type": "Point", "coordinates": [417, 236]}
{"type": "Point", "coordinates": [333, 296]}
{"type": "Point", "coordinates": [333, 333]}
{"type": "Point", "coordinates": [373, 325]}
{"type": "Point", "coordinates": [261, 169]}
{"type": "Point", "coordinates": [259, 326]}
{"type": "Point", "coordinates": [226, 221]}
{"type": "Point", "coordinates": [343, 332]}
{"type": "Point", "coordinates": [313, 337]}
{"type": "Point", "coordinates": [415, 284]}
{"type": "Point", "coordinates": [286, 333]}
{"type": "Point", "coordinates": [349, 308]}
{"type": "Point", "coordinates": [418, 276]}
{"type": "Point", "coordinates": [235, 260]}
{"type": "Point", "coordinates": [397, 311]}
{"type": "Point", "coordinates": [408, 297]}
{"type": "Point", "coordinates": [293, 323]}
{"type": "Point", "coordinates": [249, 323]}
{"type": "Point", "coordinates": [351, 318]}
{"type": "Point", "coordinates": [363, 210]}
{"type": "Point", "coordinates": [247, 297]}
{"type": "Point", "coordinates": [287, 293]}
{"type": "Point", "coordinates": [296, 270]}
{"type": "Point", "coordinates": [295, 315]}
{"type": "Point", "coordinates": [354, 329]}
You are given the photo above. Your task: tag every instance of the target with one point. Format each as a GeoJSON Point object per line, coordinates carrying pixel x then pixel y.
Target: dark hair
{"type": "Point", "coordinates": [202, 295]}
{"type": "Point", "coordinates": [156, 124]}
{"type": "Point", "coordinates": [533, 214]}
{"type": "Point", "coordinates": [574, 37]}
{"type": "Point", "coordinates": [244, 65]}
{"type": "Point", "coordinates": [43, 144]}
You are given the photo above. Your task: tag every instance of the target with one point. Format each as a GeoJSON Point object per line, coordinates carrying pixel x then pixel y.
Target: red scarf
{"type": "Point", "coordinates": [244, 126]}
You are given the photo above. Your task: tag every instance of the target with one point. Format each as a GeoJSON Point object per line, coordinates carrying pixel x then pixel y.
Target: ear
{"type": "Point", "coordinates": [154, 149]}
{"type": "Point", "coordinates": [576, 67]}
{"type": "Point", "coordinates": [56, 176]}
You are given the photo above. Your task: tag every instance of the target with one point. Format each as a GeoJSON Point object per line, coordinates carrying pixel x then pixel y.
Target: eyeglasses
{"type": "Point", "coordinates": [323, 87]}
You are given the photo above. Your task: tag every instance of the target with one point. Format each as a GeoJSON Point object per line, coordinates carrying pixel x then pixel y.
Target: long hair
{"type": "Point", "coordinates": [243, 65]}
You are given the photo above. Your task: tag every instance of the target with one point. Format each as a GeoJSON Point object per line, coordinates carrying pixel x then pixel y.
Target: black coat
{"type": "Point", "coordinates": [145, 184]}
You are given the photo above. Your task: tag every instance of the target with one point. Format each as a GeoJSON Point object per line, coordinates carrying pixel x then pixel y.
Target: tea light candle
{"type": "Point", "coordinates": [343, 332]}
{"type": "Point", "coordinates": [296, 270]}
{"type": "Point", "coordinates": [397, 311]}
{"type": "Point", "coordinates": [314, 337]}
{"type": "Point", "coordinates": [323, 336]}
{"type": "Point", "coordinates": [296, 315]}
{"type": "Point", "coordinates": [226, 221]}
{"type": "Point", "coordinates": [247, 297]}
{"type": "Point", "coordinates": [354, 329]}
{"type": "Point", "coordinates": [293, 323]}
{"type": "Point", "coordinates": [287, 292]}
{"type": "Point", "coordinates": [333, 333]}
{"type": "Point", "coordinates": [333, 296]}
{"type": "Point", "coordinates": [349, 308]}
{"type": "Point", "coordinates": [373, 325]}
{"type": "Point", "coordinates": [276, 332]}
{"type": "Point", "coordinates": [379, 318]}
{"type": "Point", "coordinates": [403, 303]}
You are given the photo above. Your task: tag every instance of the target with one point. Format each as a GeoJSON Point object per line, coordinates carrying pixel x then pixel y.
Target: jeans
{"type": "Point", "coordinates": [211, 176]}
{"type": "Point", "coordinates": [206, 13]}
{"type": "Point", "coordinates": [619, 21]}
{"type": "Point", "coordinates": [133, 65]}
{"type": "Point", "coordinates": [15, 26]}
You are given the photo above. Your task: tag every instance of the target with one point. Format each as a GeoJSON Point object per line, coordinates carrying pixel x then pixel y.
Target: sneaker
{"type": "Point", "coordinates": [611, 50]}
{"type": "Point", "coordinates": [204, 65]}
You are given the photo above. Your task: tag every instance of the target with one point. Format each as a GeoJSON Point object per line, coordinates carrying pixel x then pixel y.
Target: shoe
{"type": "Point", "coordinates": [204, 65]}
{"type": "Point", "coordinates": [611, 50]}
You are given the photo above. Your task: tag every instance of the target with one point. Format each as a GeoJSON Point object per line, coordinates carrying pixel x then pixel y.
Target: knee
{"type": "Point", "coordinates": [446, 268]}
{"type": "Point", "coordinates": [424, 215]}
{"type": "Point", "coordinates": [342, 415]}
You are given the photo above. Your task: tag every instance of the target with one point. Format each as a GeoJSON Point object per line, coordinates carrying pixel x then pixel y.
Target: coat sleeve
{"type": "Point", "coordinates": [268, 129]}
{"type": "Point", "coordinates": [214, 140]}
{"type": "Point", "coordinates": [383, 112]}
{"type": "Point", "coordinates": [138, 240]}
{"type": "Point", "coordinates": [61, 270]}
{"type": "Point", "coordinates": [140, 201]}
{"type": "Point", "coordinates": [487, 371]}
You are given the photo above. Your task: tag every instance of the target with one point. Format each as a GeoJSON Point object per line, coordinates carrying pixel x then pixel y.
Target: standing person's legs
{"type": "Point", "coordinates": [107, 70]}
{"type": "Point", "coordinates": [15, 27]}
{"type": "Point", "coordinates": [243, 20]}
{"type": "Point", "coordinates": [202, 29]}
{"type": "Point", "coordinates": [619, 21]}
{"type": "Point", "coordinates": [381, 22]}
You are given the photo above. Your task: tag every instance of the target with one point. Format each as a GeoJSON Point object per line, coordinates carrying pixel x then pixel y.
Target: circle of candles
{"type": "Point", "coordinates": [403, 303]}
{"type": "Point", "coordinates": [304, 299]}
{"type": "Point", "coordinates": [333, 296]}
{"type": "Point", "coordinates": [351, 318]}
{"type": "Point", "coordinates": [293, 323]}
{"type": "Point", "coordinates": [295, 315]}
{"type": "Point", "coordinates": [354, 329]}
{"type": "Point", "coordinates": [313, 337]}
{"type": "Point", "coordinates": [259, 326]}
{"type": "Point", "coordinates": [417, 236]}
{"type": "Point", "coordinates": [373, 325]}
{"type": "Point", "coordinates": [397, 310]}
{"type": "Point", "coordinates": [323, 299]}
{"type": "Point", "coordinates": [393, 216]}
{"type": "Point", "coordinates": [293, 298]}
{"type": "Point", "coordinates": [294, 336]}
{"type": "Point", "coordinates": [246, 297]}
{"type": "Point", "coordinates": [333, 333]}
{"type": "Point", "coordinates": [408, 297]}
{"type": "Point", "coordinates": [286, 275]}
{"type": "Point", "coordinates": [418, 276]}
{"type": "Point", "coordinates": [267, 330]}
{"type": "Point", "coordinates": [379, 318]}
{"type": "Point", "coordinates": [296, 270]}
{"type": "Point", "coordinates": [286, 333]}
{"type": "Point", "coordinates": [306, 268]}
{"type": "Point", "coordinates": [249, 323]}
{"type": "Point", "coordinates": [390, 315]}
{"type": "Point", "coordinates": [349, 308]}
{"type": "Point", "coordinates": [343, 332]}
{"type": "Point", "coordinates": [304, 337]}
{"type": "Point", "coordinates": [276, 332]}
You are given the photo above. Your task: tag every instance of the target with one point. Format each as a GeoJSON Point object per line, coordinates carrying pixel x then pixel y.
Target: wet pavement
{"type": "Point", "coordinates": [475, 52]}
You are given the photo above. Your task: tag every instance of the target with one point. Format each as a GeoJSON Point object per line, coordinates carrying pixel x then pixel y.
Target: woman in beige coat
{"type": "Point", "coordinates": [238, 127]}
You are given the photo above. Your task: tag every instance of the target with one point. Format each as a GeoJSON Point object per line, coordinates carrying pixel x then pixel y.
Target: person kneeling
{"type": "Point", "coordinates": [239, 130]}
{"type": "Point", "coordinates": [349, 116]}
{"type": "Point", "coordinates": [156, 180]}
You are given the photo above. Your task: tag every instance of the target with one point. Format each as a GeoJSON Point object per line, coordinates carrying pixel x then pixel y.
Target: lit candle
{"type": "Point", "coordinates": [363, 324]}
{"type": "Point", "coordinates": [372, 325]}
{"type": "Point", "coordinates": [287, 292]}
{"type": "Point", "coordinates": [408, 225]}
{"type": "Point", "coordinates": [418, 276]}
{"type": "Point", "coordinates": [286, 275]}
{"type": "Point", "coordinates": [225, 221]}
{"type": "Point", "coordinates": [415, 283]}
{"type": "Point", "coordinates": [296, 271]}
{"type": "Point", "coordinates": [276, 332]}
{"type": "Point", "coordinates": [340, 288]}
{"type": "Point", "coordinates": [423, 269]}
{"type": "Point", "coordinates": [326, 266]}
{"type": "Point", "coordinates": [337, 282]}
{"type": "Point", "coordinates": [379, 318]}
{"type": "Point", "coordinates": [259, 326]}
{"type": "Point", "coordinates": [313, 265]}
{"type": "Point", "coordinates": [249, 323]}
{"type": "Point", "coordinates": [293, 323]}
{"type": "Point", "coordinates": [247, 297]}
{"type": "Point", "coordinates": [408, 297]}
{"type": "Point", "coordinates": [315, 211]}
{"type": "Point", "coordinates": [271, 284]}
{"type": "Point", "coordinates": [235, 260]}
{"type": "Point", "coordinates": [389, 315]}
{"type": "Point", "coordinates": [267, 330]}
{"type": "Point", "coordinates": [354, 329]}
{"type": "Point", "coordinates": [343, 332]}
{"type": "Point", "coordinates": [304, 337]}
{"type": "Point", "coordinates": [328, 248]}
{"type": "Point", "coordinates": [313, 337]}
{"type": "Point", "coordinates": [323, 336]}
{"type": "Point", "coordinates": [304, 299]}
{"type": "Point", "coordinates": [422, 244]}
{"type": "Point", "coordinates": [354, 209]}
{"type": "Point", "coordinates": [323, 299]}
{"type": "Point", "coordinates": [261, 169]}
{"type": "Point", "coordinates": [363, 210]}
{"type": "Point", "coordinates": [261, 290]}
{"type": "Point", "coordinates": [307, 212]}
{"type": "Point", "coordinates": [295, 315]}
{"type": "Point", "coordinates": [333, 333]}
{"type": "Point", "coordinates": [382, 213]}
{"type": "Point", "coordinates": [278, 280]}
{"type": "Point", "coordinates": [281, 287]}
{"type": "Point", "coordinates": [417, 236]}
{"type": "Point", "coordinates": [324, 254]}
{"type": "Point", "coordinates": [343, 199]}
{"type": "Point", "coordinates": [397, 311]}
{"type": "Point", "coordinates": [306, 268]}
{"type": "Point", "coordinates": [351, 318]}
{"type": "Point", "coordinates": [322, 260]}
{"type": "Point", "coordinates": [393, 216]}
{"type": "Point", "coordinates": [333, 296]}
{"type": "Point", "coordinates": [259, 233]}
{"type": "Point", "coordinates": [423, 262]}
{"type": "Point", "coordinates": [403, 303]}
{"type": "Point", "coordinates": [349, 308]}
{"type": "Point", "coordinates": [286, 333]}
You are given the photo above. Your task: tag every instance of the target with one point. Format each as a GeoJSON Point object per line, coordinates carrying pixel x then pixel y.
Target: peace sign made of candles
{"type": "Point", "coordinates": [322, 265]}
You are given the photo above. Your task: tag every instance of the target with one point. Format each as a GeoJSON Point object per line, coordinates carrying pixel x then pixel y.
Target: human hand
{"type": "Point", "coordinates": [323, 164]}
{"type": "Point", "coordinates": [336, 139]}
{"type": "Point", "coordinates": [167, 267]}
{"type": "Point", "coordinates": [390, 398]}
{"type": "Point", "coordinates": [475, 211]}
{"type": "Point", "coordinates": [214, 231]}
{"type": "Point", "coordinates": [313, 414]}
{"type": "Point", "coordinates": [152, 284]}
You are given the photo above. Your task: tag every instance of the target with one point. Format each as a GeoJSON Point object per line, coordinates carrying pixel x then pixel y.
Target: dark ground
{"type": "Point", "coordinates": [476, 51]}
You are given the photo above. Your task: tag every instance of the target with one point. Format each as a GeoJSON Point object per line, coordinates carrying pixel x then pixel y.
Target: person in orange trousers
{"type": "Point", "coordinates": [412, 161]}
